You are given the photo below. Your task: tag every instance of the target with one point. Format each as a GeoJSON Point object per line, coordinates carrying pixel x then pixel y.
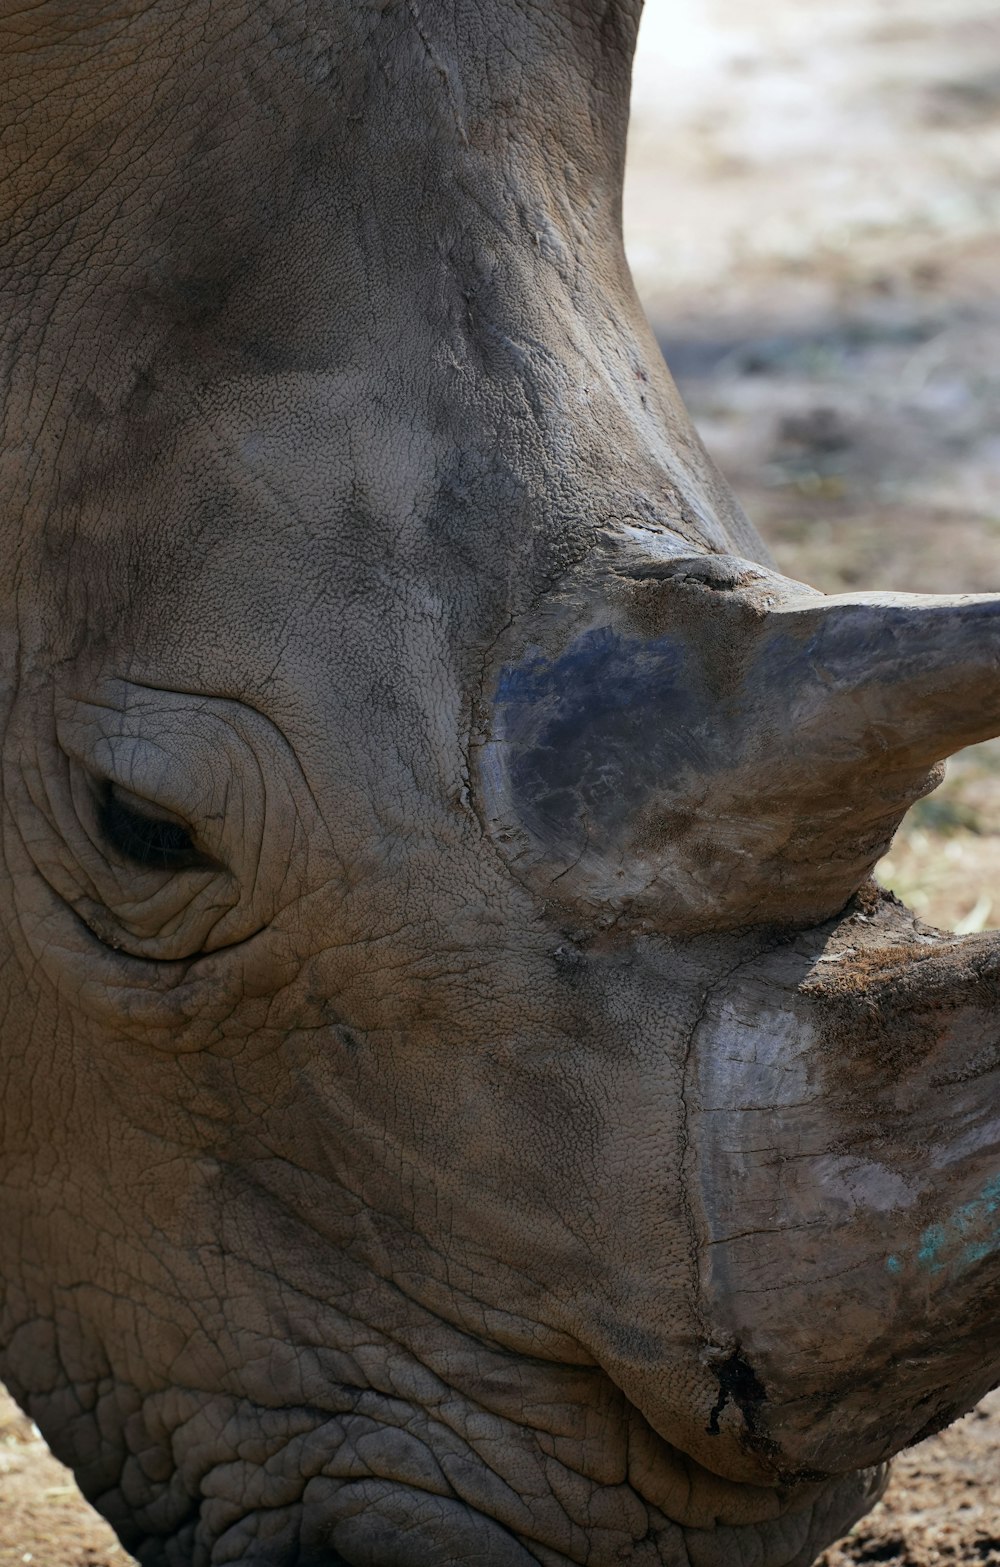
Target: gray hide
{"type": "Point", "coordinates": [462, 1100]}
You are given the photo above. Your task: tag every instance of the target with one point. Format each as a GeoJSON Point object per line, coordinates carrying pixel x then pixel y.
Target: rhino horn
{"type": "Point", "coordinates": [715, 746]}
{"type": "Point", "coordinates": [906, 679]}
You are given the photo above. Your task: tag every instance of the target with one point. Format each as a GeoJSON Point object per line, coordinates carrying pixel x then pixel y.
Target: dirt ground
{"type": "Point", "coordinates": [943, 1502]}
{"type": "Point", "coordinates": [813, 215]}
{"type": "Point", "coordinates": [43, 1517]}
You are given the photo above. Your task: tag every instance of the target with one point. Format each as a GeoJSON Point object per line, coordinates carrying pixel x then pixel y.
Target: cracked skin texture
{"type": "Point", "coordinates": [364, 1195]}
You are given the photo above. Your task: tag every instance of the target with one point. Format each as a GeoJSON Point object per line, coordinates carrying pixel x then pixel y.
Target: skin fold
{"type": "Point", "coordinates": [462, 1098]}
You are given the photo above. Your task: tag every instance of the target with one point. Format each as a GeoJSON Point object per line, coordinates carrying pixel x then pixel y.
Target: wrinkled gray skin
{"type": "Point", "coordinates": [501, 1131]}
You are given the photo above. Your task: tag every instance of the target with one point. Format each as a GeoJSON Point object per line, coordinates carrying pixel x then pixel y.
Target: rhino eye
{"type": "Point", "coordinates": [138, 834]}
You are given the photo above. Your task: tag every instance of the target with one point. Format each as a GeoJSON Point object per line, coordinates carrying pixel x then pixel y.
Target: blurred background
{"type": "Point", "coordinates": [813, 219]}
{"type": "Point", "coordinates": [812, 216]}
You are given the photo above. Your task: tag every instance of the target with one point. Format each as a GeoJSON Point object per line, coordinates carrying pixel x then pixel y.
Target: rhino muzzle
{"type": "Point", "coordinates": [845, 1166]}
{"type": "Point", "coordinates": [685, 744]}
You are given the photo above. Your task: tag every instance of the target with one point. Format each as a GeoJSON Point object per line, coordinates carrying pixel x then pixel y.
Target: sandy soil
{"type": "Point", "coordinates": [943, 1504]}
{"type": "Point", "coordinates": [43, 1517]}
{"type": "Point", "coordinates": [812, 215]}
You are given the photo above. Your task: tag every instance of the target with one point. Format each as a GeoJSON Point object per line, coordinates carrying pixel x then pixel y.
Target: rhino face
{"type": "Point", "coordinates": [455, 1066]}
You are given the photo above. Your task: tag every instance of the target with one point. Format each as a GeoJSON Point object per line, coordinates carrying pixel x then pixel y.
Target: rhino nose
{"type": "Point", "coordinates": [699, 743]}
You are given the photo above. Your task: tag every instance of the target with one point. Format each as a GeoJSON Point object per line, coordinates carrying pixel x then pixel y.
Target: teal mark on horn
{"type": "Point", "coordinates": [958, 1242]}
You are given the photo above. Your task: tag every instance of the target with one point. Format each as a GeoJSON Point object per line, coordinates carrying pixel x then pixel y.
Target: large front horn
{"type": "Point", "coordinates": [696, 743]}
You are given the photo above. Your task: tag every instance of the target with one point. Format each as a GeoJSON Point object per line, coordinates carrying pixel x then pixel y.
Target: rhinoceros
{"type": "Point", "coordinates": [464, 1098]}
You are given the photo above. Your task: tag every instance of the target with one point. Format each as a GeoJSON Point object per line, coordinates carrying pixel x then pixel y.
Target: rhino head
{"type": "Point", "coordinates": [463, 1097]}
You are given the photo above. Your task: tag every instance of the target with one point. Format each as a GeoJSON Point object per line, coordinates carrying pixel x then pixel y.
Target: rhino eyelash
{"type": "Point", "coordinates": [152, 842]}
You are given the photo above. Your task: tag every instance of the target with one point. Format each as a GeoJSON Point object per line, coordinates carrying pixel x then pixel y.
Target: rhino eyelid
{"type": "Point", "coordinates": [150, 841]}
